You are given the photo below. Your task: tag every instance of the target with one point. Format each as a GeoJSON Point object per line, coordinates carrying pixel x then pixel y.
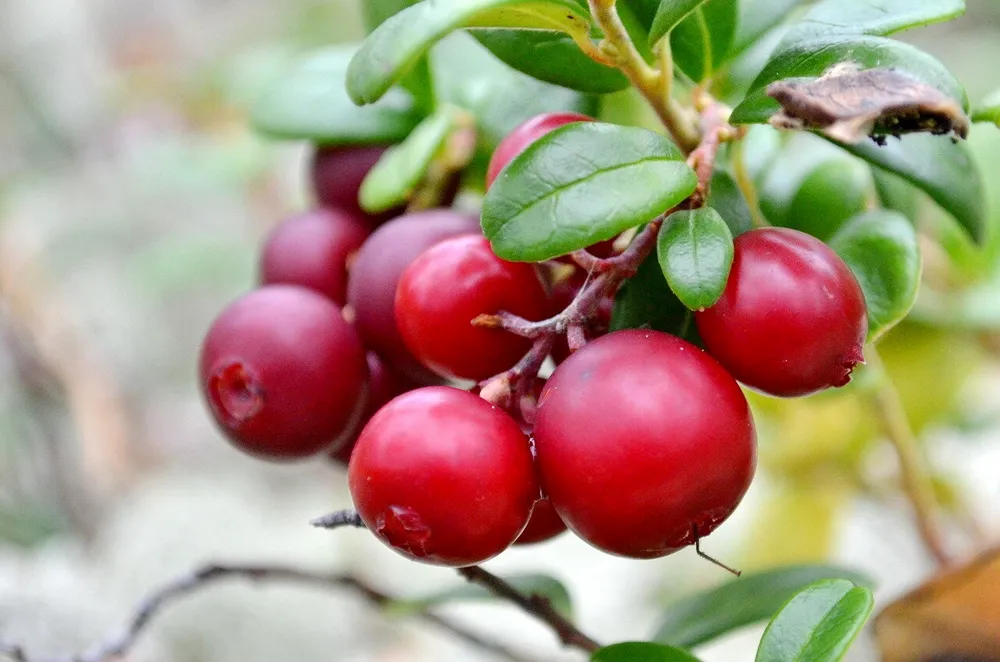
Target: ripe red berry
{"type": "Point", "coordinates": [526, 133]}
{"type": "Point", "coordinates": [792, 319]}
{"type": "Point", "coordinates": [442, 476]}
{"type": "Point", "coordinates": [337, 173]}
{"type": "Point", "coordinates": [644, 443]}
{"type": "Point", "coordinates": [312, 250]}
{"type": "Point", "coordinates": [383, 386]}
{"type": "Point", "coordinates": [284, 375]}
{"type": "Point", "coordinates": [371, 288]}
{"type": "Point", "coordinates": [448, 286]}
{"type": "Point", "coordinates": [543, 525]}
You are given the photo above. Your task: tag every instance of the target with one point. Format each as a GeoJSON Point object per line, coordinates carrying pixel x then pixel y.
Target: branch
{"type": "Point", "coordinates": [119, 645]}
{"type": "Point", "coordinates": [337, 519]}
{"type": "Point", "coordinates": [535, 605]}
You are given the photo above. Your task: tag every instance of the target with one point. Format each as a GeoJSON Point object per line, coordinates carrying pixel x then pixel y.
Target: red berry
{"type": "Point", "coordinates": [792, 319]}
{"type": "Point", "coordinates": [442, 476]}
{"type": "Point", "coordinates": [283, 373]}
{"type": "Point", "coordinates": [448, 286]}
{"type": "Point", "coordinates": [526, 133]}
{"type": "Point", "coordinates": [312, 250]}
{"type": "Point", "coordinates": [337, 173]}
{"type": "Point", "coordinates": [644, 443]}
{"type": "Point", "coordinates": [543, 525]}
{"type": "Point", "coordinates": [371, 288]}
{"type": "Point", "coordinates": [383, 386]}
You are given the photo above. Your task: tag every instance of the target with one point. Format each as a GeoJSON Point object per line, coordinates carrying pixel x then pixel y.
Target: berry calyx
{"type": "Point", "coordinates": [444, 477]}
{"type": "Point", "coordinates": [644, 443]}
{"type": "Point", "coordinates": [792, 319]}
{"type": "Point", "coordinates": [283, 374]}
{"type": "Point", "coordinates": [452, 283]}
{"type": "Point", "coordinates": [375, 272]}
{"type": "Point", "coordinates": [312, 250]}
{"type": "Point", "coordinates": [523, 135]}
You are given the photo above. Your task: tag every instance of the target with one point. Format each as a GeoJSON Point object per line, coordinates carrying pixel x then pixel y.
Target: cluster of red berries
{"type": "Point", "coordinates": [640, 443]}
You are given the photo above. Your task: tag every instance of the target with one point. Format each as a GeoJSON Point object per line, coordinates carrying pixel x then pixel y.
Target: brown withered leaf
{"type": "Point", "coordinates": [955, 617]}
{"type": "Point", "coordinates": [849, 104]}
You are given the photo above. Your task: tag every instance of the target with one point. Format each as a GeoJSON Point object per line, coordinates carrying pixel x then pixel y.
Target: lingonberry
{"type": "Point", "coordinates": [452, 283]}
{"type": "Point", "coordinates": [283, 374]}
{"type": "Point", "coordinates": [371, 288]}
{"type": "Point", "coordinates": [526, 133]}
{"type": "Point", "coordinates": [383, 386]}
{"type": "Point", "coordinates": [337, 173]}
{"type": "Point", "coordinates": [312, 250]}
{"type": "Point", "coordinates": [442, 476]}
{"type": "Point", "coordinates": [644, 443]}
{"type": "Point", "coordinates": [792, 319]}
{"type": "Point", "coordinates": [544, 524]}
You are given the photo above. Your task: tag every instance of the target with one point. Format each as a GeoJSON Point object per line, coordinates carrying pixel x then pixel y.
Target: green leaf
{"type": "Point", "coordinates": [872, 17]}
{"type": "Point", "coordinates": [942, 169]}
{"type": "Point", "coordinates": [668, 15]}
{"type": "Point", "coordinates": [541, 585]}
{"type": "Point", "coordinates": [740, 602]}
{"type": "Point", "coordinates": [988, 110]}
{"type": "Point", "coordinates": [702, 42]}
{"type": "Point", "coordinates": [725, 196]}
{"type": "Point", "coordinates": [553, 57]}
{"type": "Point", "coordinates": [396, 175]}
{"type": "Point", "coordinates": [583, 183]}
{"type": "Point", "coordinates": [895, 193]}
{"type": "Point", "coordinates": [375, 12]}
{"type": "Point", "coordinates": [645, 301]}
{"type": "Point", "coordinates": [695, 250]}
{"type": "Point", "coordinates": [818, 624]}
{"type": "Point", "coordinates": [881, 249]}
{"type": "Point", "coordinates": [309, 102]}
{"type": "Point", "coordinates": [758, 17]}
{"type": "Point", "coordinates": [641, 651]}
{"type": "Point", "coordinates": [396, 45]}
{"type": "Point", "coordinates": [811, 58]}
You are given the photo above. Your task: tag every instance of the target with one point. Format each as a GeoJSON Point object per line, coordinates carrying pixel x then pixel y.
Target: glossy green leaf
{"type": "Point", "coordinates": [583, 183]}
{"type": "Point", "coordinates": [695, 250]}
{"type": "Point", "coordinates": [757, 17]}
{"type": "Point", "coordinates": [818, 624]}
{"type": "Point", "coordinates": [725, 196]}
{"type": "Point", "coordinates": [942, 169]}
{"type": "Point", "coordinates": [375, 12]}
{"type": "Point", "coordinates": [645, 301]}
{"type": "Point", "coordinates": [702, 42]}
{"type": "Point", "coordinates": [749, 599]}
{"type": "Point", "coordinates": [309, 102]}
{"type": "Point", "coordinates": [642, 651]}
{"type": "Point", "coordinates": [668, 15]}
{"type": "Point", "coordinates": [395, 177]}
{"type": "Point", "coordinates": [988, 110]}
{"type": "Point", "coordinates": [811, 58]}
{"type": "Point", "coordinates": [553, 57]}
{"type": "Point", "coordinates": [872, 17]}
{"type": "Point", "coordinates": [541, 585]}
{"type": "Point", "coordinates": [881, 249]}
{"type": "Point", "coordinates": [396, 45]}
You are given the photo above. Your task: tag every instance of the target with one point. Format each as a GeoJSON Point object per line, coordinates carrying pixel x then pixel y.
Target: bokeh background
{"type": "Point", "coordinates": [133, 196]}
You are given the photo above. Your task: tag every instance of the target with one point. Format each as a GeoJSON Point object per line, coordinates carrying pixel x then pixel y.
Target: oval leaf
{"type": "Point", "coordinates": [375, 12]}
{"type": "Point", "coordinates": [725, 196]}
{"type": "Point", "coordinates": [641, 651]}
{"type": "Point", "coordinates": [818, 624]}
{"type": "Point", "coordinates": [309, 102]}
{"type": "Point", "coordinates": [541, 585]}
{"type": "Point", "coordinates": [668, 15]}
{"type": "Point", "coordinates": [695, 250]}
{"type": "Point", "coordinates": [942, 169]}
{"type": "Point", "coordinates": [873, 17]}
{"type": "Point", "coordinates": [553, 57]}
{"type": "Point", "coordinates": [757, 18]}
{"type": "Point", "coordinates": [750, 599]}
{"type": "Point", "coordinates": [702, 42]}
{"type": "Point", "coordinates": [583, 183]}
{"type": "Point", "coordinates": [396, 45]}
{"type": "Point", "coordinates": [881, 249]}
{"type": "Point", "coordinates": [988, 110]}
{"type": "Point", "coordinates": [396, 175]}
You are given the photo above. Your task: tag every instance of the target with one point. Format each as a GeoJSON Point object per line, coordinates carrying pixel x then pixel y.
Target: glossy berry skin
{"type": "Point", "coordinates": [337, 173]}
{"type": "Point", "coordinates": [312, 250]}
{"type": "Point", "coordinates": [444, 477]}
{"type": "Point", "coordinates": [526, 133]}
{"type": "Point", "coordinates": [283, 374]}
{"type": "Point", "coordinates": [644, 443]}
{"type": "Point", "coordinates": [371, 289]}
{"type": "Point", "coordinates": [448, 286]}
{"type": "Point", "coordinates": [383, 386]}
{"type": "Point", "coordinates": [792, 319]}
{"type": "Point", "coordinates": [544, 524]}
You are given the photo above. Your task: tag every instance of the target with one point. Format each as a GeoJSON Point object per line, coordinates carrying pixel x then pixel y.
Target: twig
{"type": "Point", "coordinates": [536, 605]}
{"type": "Point", "coordinates": [916, 480]}
{"type": "Point", "coordinates": [745, 183]}
{"type": "Point", "coordinates": [118, 645]}
{"type": "Point", "coordinates": [337, 519]}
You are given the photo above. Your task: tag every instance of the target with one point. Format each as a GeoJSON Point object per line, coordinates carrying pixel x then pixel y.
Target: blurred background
{"type": "Point", "coordinates": [133, 197]}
